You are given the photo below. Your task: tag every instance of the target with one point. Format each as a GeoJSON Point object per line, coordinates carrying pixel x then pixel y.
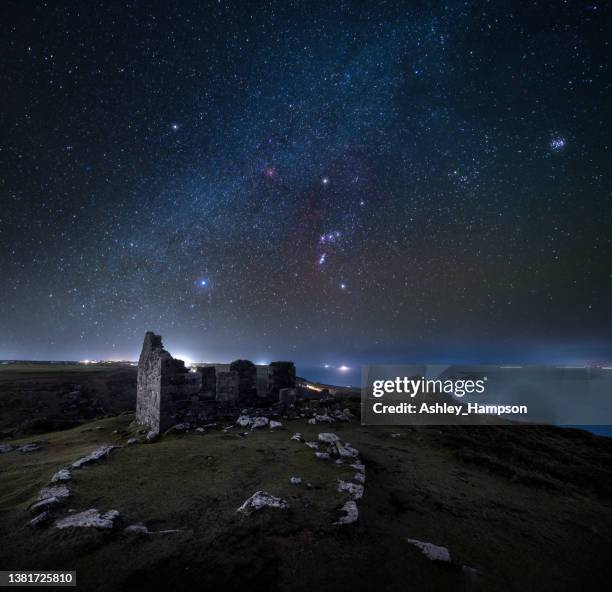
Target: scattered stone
{"type": "Point", "coordinates": [295, 480]}
{"type": "Point", "coordinates": [39, 519]}
{"type": "Point", "coordinates": [297, 436]}
{"type": "Point", "coordinates": [97, 454]}
{"type": "Point", "coordinates": [200, 430]}
{"type": "Point", "coordinates": [355, 490]}
{"type": "Point", "coordinates": [359, 477]}
{"type": "Point", "coordinates": [322, 455]}
{"type": "Point", "coordinates": [244, 421]}
{"type": "Point", "coordinates": [262, 499]}
{"type": "Point", "coordinates": [178, 427]}
{"type": "Point", "coordinates": [358, 467]}
{"type": "Point", "coordinates": [4, 448]}
{"type": "Point", "coordinates": [324, 418]}
{"type": "Point", "coordinates": [275, 425]}
{"type": "Point", "coordinates": [227, 429]}
{"type": "Point", "coordinates": [351, 513]}
{"type": "Point", "coordinates": [431, 551]}
{"type": "Point", "coordinates": [62, 475]}
{"type": "Point", "coordinates": [328, 438]}
{"type": "Point", "coordinates": [312, 421]}
{"type": "Point", "coordinates": [88, 519]}
{"type": "Point", "coordinates": [313, 445]}
{"type": "Point", "coordinates": [30, 447]}
{"type": "Point", "coordinates": [152, 435]}
{"type": "Point", "coordinates": [396, 435]}
{"type": "Point", "coordinates": [132, 441]}
{"type": "Point", "coordinates": [46, 503]}
{"type": "Point", "coordinates": [57, 491]}
{"type": "Point", "coordinates": [346, 450]}
{"type": "Point", "coordinates": [139, 528]}
{"type": "Point", "coordinates": [259, 422]}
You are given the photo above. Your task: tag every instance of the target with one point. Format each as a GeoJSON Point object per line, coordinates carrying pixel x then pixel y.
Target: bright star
{"type": "Point", "coordinates": [175, 126]}
{"type": "Point", "coordinates": [557, 143]}
{"type": "Point", "coordinates": [344, 368]}
{"type": "Point", "coordinates": [343, 286]}
{"type": "Point", "coordinates": [325, 180]}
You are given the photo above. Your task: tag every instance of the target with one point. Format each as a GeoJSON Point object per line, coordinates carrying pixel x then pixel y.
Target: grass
{"type": "Point", "coordinates": [521, 535]}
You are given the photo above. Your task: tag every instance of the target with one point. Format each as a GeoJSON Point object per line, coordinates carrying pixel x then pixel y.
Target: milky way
{"type": "Point", "coordinates": [327, 182]}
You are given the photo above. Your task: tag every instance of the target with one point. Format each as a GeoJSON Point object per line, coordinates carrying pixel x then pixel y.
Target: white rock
{"type": "Point", "coordinates": [259, 422]}
{"type": "Point", "coordinates": [97, 454]}
{"type": "Point", "coordinates": [88, 519]}
{"type": "Point", "coordinates": [360, 477]}
{"type": "Point", "coordinates": [431, 551]}
{"type": "Point", "coordinates": [139, 528]}
{"type": "Point", "coordinates": [46, 503]}
{"type": "Point", "coordinates": [244, 421]}
{"type": "Point", "coordinates": [39, 519]}
{"type": "Point", "coordinates": [58, 491]}
{"type": "Point", "coordinates": [355, 490]}
{"type": "Point", "coordinates": [31, 447]}
{"type": "Point", "coordinates": [358, 467]}
{"type": "Point", "coordinates": [5, 448]}
{"type": "Point", "coordinates": [275, 425]}
{"type": "Point", "coordinates": [200, 430]}
{"type": "Point", "coordinates": [351, 513]}
{"type": "Point", "coordinates": [297, 436]}
{"type": "Point", "coordinates": [324, 418]}
{"type": "Point", "coordinates": [295, 480]}
{"type": "Point", "coordinates": [396, 435]}
{"type": "Point", "coordinates": [322, 455]}
{"type": "Point", "coordinates": [62, 475]}
{"type": "Point", "coordinates": [132, 441]}
{"type": "Point", "coordinates": [312, 421]}
{"type": "Point", "coordinates": [313, 445]}
{"type": "Point", "coordinates": [346, 450]}
{"type": "Point", "coordinates": [328, 438]}
{"type": "Point", "coordinates": [260, 500]}
{"type": "Point", "coordinates": [152, 435]}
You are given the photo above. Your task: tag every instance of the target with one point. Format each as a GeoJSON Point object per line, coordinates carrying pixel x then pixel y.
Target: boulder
{"type": "Point", "coordinates": [259, 422]}
{"type": "Point", "coordinates": [97, 454]}
{"type": "Point", "coordinates": [355, 490]}
{"type": "Point", "coordinates": [275, 425]}
{"type": "Point", "coordinates": [328, 438]}
{"type": "Point", "coordinates": [39, 519]}
{"type": "Point", "coordinates": [351, 513]}
{"type": "Point", "coordinates": [57, 491]}
{"type": "Point", "coordinates": [88, 519]}
{"type": "Point", "coordinates": [4, 448]}
{"type": "Point", "coordinates": [244, 421]}
{"type": "Point", "coordinates": [431, 551]}
{"type": "Point", "coordinates": [260, 500]}
{"type": "Point", "coordinates": [62, 475]}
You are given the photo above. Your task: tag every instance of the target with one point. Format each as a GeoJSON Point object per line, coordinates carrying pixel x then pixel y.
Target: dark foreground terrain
{"type": "Point", "coordinates": [517, 508]}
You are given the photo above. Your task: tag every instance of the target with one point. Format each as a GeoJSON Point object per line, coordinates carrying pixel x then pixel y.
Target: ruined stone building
{"type": "Point", "coordinates": [169, 393]}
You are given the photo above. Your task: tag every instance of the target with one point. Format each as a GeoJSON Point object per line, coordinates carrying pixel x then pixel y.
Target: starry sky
{"type": "Point", "coordinates": [330, 182]}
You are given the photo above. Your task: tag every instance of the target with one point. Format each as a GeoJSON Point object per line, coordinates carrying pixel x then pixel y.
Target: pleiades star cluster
{"type": "Point", "coordinates": [330, 182]}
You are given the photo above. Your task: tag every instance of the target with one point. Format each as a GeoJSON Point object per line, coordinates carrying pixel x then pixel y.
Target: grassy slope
{"type": "Point", "coordinates": [525, 526]}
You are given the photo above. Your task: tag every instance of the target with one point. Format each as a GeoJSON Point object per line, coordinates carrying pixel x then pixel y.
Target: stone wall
{"type": "Point", "coordinates": [164, 386]}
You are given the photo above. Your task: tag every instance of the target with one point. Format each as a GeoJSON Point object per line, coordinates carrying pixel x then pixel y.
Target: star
{"type": "Point", "coordinates": [325, 180]}
{"type": "Point", "coordinates": [175, 127]}
{"type": "Point", "coordinates": [557, 143]}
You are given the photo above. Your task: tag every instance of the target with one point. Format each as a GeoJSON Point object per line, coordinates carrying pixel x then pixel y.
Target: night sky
{"type": "Point", "coordinates": [330, 182]}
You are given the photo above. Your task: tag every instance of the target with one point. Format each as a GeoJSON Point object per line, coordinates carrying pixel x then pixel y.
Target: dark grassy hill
{"type": "Point", "coordinates": [518, 509]}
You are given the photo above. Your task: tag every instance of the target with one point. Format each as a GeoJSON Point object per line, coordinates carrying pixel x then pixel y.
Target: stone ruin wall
{"type": "Point", "coordinates": [168, 393]}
